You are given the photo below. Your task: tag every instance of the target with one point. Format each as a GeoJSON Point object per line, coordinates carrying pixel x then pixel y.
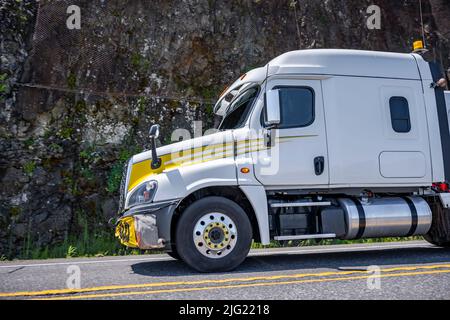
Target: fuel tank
{"type": "Point", "coordinates": [386, 217]}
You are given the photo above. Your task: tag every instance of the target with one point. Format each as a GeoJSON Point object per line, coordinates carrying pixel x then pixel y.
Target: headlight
{"type": "Point", "coordinates": [143, 194]}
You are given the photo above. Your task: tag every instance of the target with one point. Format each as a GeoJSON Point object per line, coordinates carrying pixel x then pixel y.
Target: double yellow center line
{"type": "Point", "coordinates": [228, 283]}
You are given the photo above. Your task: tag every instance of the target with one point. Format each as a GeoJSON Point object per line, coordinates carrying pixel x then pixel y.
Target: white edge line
{"type": "Point", "coordinates": [337, 250]}
{"type": "Point", "coordinates": [84, 262]}
{"type": "Point", "coordinates": [259, 253]}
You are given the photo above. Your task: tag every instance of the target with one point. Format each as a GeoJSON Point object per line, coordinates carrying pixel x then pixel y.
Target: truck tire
{"type": "Point", "coordinates": [174, 253]}
{"type": "Point", "coordinates": [213, 234]}
{"type": "Point", "coordinates": [439, 233]}
{"type": "Point", "coordinates": [437, 243]}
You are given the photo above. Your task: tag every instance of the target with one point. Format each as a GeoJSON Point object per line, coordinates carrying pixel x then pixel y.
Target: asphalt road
{"type": "Point", "coordinates": [405, 270]}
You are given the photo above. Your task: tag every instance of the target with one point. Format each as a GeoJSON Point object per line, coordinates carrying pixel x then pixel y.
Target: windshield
{"type": "Point", "coordinates": [238, 112]}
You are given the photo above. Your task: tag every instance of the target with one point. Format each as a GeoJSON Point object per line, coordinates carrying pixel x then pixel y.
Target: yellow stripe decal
{"type": "Point", "coordinates": [142, 170]}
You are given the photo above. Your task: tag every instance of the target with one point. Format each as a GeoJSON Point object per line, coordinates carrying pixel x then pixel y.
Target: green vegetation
{"type": "Point", "coordinates": [114, 177]}
{"type": "Point", "coordinates": [87, 243]}
{"type": "Point", "coordinates": [209, 93]}
{"type": "Point", "coordinates": [139, 62]}
{"type": "Point", "coordinates": [90, 154]}
{"type": "Point", "coordinates": [15, 211]}
{"type": "Point", "coordinates": [209, 110]}
{"type": "Point", "coordinates": [3, 84]}
{"type": "Point", "coordinates": [71, 252]}
{"type": "Point", "coordinates": [55, 148]}
{"type": "Point", "coordinates": [29, 142]}
{"type": "Point", "coordinates": [70, 183]}
{"type": "Point", "coordinates": [87, 174]}
{"type": "Point", "coordinates": [142, 103]}
{"type": "Point", "coordinates": [115, 174]}
{"type": "Point", "coordinates": [29, 167]}
{"type": "Point", "coordinates": [65, 133]}
{"type": "Point", "coordinates": [71, 81]}
{"type": "Point", "coordinates": [305, 243]}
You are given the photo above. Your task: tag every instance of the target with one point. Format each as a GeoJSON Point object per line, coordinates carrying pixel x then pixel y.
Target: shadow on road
{"type": "Point", "coordinates": [307, 261]}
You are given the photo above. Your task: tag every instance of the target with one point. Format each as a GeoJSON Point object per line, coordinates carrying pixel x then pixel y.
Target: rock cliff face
{"type": "Point", "coordinates": [75, 104]}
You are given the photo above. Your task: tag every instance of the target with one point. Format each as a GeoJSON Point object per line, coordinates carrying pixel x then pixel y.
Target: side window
{"type": "Point", "coordinates": [297, 107]}
{"type": "Point", "coordinates": [401, 121]}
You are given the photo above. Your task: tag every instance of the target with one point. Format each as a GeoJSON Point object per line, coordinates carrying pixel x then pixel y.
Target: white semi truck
{"type": "Point", "coordinates": [318, 144]}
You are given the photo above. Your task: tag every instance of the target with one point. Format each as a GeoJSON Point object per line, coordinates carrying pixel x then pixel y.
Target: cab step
{"type": "Point", "coordinates": [300, 204]}
{"type": "Point", "coordinates": [306, 236]}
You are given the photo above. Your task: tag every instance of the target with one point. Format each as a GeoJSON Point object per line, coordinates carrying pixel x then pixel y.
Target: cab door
{"type": "Point", "coordinates": [297, 156]}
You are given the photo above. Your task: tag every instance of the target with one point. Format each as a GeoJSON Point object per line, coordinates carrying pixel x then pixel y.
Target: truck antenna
{"type": "Point", "coordinates": [421, 24]}
{"type": "Point", "coordinates": [420, 46]}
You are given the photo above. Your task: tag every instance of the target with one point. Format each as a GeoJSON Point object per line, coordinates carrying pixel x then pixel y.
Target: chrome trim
{"type": "Point", "coordinates": [124, 184]}
{"type": "Point", "coordinates": [147, 232]}
{"type": "Point", "coordinates": [307, 236]}
{"type": "Point", "coordinates": [300, 204]}
{"type": "Point", "coordinates": [149, 207]}
{"type": "Point", "coordinates": [203, 240]}
{"type": "Point", "coordinates": [127, 181]}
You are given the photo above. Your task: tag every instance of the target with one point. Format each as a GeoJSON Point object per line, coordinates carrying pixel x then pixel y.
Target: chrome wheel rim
{"type": "Point", "coordinates": [215, 235]}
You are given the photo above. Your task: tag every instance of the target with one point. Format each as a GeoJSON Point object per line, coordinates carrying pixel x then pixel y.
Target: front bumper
{"type": "Point", "coordinates": [147, 226]}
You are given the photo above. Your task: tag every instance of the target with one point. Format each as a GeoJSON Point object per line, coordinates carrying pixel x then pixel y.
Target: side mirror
{"type": "Point", "coordinates": [154, 134]}
{"type": "Point", "coordinates": [154, 131]}
{"type": "Point", "coordinates": [273, 117]}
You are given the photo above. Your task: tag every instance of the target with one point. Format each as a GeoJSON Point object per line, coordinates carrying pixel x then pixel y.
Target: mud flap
{"type": "Point", "coordinates": [440, 228]}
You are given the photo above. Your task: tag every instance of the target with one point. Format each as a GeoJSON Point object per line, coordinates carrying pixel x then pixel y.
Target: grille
{"type": "Point", "coordinates": [123, 187]}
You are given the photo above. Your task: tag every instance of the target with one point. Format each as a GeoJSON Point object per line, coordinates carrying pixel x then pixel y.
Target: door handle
{"type": "Point", "coordinates": [319, 165]}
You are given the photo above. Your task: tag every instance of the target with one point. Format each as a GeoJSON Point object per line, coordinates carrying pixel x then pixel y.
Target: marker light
{"type": "Point", "coordinates": [441, 186]}
{"type": "Point", "coordinates": [418, 45]}
{"type": "Point", "coordinates": [224, 90]}
{"type": "Point", "coordinates": [245, 170]}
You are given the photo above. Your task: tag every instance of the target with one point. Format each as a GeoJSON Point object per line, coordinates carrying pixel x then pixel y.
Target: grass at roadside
{"type": "Point", "coordinates": [105, 244]}
{"type": "Point", "coordinates": [305, 243]}
{"type": "Point", "coordinates": [86, 245]}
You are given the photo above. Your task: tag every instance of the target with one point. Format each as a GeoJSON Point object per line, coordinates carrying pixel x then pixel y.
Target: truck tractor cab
{"type": "Point", "coordinates": [317, 144]}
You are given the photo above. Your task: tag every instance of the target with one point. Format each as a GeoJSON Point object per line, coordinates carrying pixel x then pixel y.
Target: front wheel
{"type": "Point", "coordinates": [174, 253]}
{"type": "Point", "coordinates": [213, 234]}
